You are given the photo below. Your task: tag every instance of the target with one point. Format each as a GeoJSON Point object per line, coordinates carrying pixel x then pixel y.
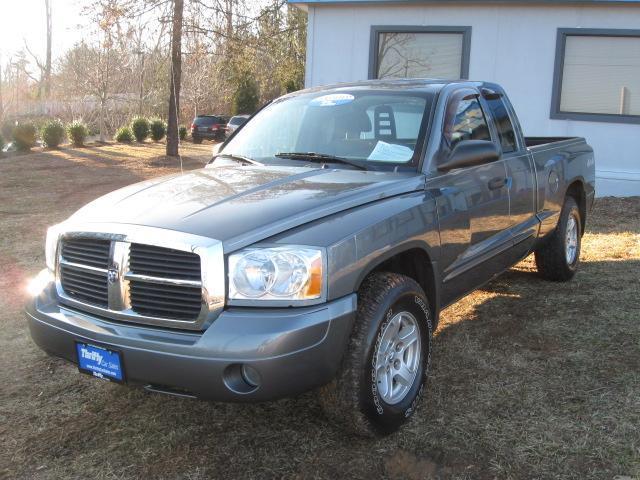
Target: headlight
{"type": "Point", "coordinates": [51, 247]}
{"type": "Point", "coordinates": [280, 273]}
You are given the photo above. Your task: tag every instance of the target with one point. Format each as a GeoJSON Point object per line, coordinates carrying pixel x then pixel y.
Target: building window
{"type": "Point", "coordinates": [597, 75]}
{"type": "Point", "coordinates": [419, 52]}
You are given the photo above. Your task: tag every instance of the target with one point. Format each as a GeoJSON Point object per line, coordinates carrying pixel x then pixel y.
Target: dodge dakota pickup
{"type": "Point", "coordinates": [315, 250]}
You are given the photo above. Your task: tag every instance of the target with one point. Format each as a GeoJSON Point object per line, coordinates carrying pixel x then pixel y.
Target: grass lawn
{"type": "Point", "coordinates": [530, 379]}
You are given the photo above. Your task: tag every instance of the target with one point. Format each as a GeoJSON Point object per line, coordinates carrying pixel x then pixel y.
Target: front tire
{"type": "Point", "coordinates": [384, 369]}
{"type": "Point", "coordinates": [557, 259]}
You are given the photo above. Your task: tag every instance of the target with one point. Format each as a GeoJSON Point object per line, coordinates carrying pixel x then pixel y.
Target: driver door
{"type": "Point", "coordinates": [472, 203]}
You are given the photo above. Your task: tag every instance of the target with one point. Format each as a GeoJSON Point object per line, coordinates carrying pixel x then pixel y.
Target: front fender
{"type": "Point", "coordinates": [359, 239]}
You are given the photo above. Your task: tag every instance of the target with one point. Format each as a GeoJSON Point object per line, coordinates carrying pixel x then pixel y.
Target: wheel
{"type": "Point", "coordinates": [384, 369]}
{"type": "Point", "coordinates": [557, 259]}
{"type": "Point", "coordinates": [197, 140]}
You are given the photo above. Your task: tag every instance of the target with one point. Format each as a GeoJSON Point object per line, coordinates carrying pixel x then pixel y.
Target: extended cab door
{"type": "Point", "coordinates": [472, 202]}
{"type": "Point", "coordinates": [523, 221]}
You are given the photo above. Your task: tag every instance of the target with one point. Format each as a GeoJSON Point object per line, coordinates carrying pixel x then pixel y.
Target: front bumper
{"type": "Point", "coordinates": [292, 350]}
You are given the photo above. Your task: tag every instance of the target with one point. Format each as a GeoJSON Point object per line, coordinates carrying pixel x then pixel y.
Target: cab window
{"type": "Point", "coordinates": [504, 125]}
{"type": "Point", "coordinates": [465, 120]}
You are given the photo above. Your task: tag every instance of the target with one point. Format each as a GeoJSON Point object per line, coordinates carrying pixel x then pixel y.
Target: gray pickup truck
{"type": "Point", "coordinates": [316, 249]}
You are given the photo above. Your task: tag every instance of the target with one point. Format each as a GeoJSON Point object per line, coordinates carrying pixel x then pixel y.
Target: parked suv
{"type": "Point", "coordinates": [316, 250]}
{"type": "Point", "coordinates": [209, 127]}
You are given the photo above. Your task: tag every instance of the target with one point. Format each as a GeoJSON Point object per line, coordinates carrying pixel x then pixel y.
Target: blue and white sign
{"type": "Point", "coordinates": [99, 362]}
{"type": "Point", "coordinates": [332, 100]}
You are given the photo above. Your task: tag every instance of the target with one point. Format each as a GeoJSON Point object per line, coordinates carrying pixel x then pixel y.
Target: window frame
{"type": "Point", "coordinates": [561, 42]}
{"type": "Point", "coordinates": [376, 30]}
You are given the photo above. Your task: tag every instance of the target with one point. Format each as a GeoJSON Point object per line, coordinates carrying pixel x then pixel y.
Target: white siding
{"type": "Point", "coordinates": [511, 45]}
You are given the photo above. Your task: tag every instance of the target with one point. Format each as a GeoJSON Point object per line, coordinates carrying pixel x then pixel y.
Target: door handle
{"type": "Point", "coordinates": [496, 183]}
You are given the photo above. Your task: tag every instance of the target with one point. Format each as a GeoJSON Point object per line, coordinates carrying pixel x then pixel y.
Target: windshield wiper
{"type": "Point", "coordinates": [238, 158]}
{"type": "Point", "coordinates": [318, 157]}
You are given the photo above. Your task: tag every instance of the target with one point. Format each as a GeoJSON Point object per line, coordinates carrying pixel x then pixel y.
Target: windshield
{"type": "Point", "coordinates": [237, 120]}
{"type": "Point", "coordinates": [364, 126]}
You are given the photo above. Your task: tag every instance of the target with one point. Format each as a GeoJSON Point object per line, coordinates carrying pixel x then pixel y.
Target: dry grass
{"type": "Point", "coordinates": [530, 379]}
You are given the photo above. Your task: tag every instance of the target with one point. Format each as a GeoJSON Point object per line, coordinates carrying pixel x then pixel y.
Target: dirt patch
{"type": "Point", "coordinates": [530, 379]}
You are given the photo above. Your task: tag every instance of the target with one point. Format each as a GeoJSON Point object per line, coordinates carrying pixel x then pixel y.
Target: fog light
{"type": "Point", "coordinates": [250, 375]}
{"type": "Point", "coordinates": [241, 379]}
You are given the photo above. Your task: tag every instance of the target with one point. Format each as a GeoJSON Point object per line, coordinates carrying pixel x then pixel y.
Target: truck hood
{"type": "Point", "coordinates": [240, 205]}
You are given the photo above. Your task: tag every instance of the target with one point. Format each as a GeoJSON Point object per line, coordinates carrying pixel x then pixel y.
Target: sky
{"type": "Point", "coordinates": [25, 20]}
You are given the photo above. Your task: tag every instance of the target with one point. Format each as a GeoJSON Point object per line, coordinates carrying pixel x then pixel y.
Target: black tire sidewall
{"type": "Point", "coordinates": [383, 416]}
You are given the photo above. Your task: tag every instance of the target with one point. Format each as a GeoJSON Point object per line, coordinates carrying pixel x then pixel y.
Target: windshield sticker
{"type": "Point", "coordinates": [389, 152]}
{"type": "Point", "coordinates": [332, 100]}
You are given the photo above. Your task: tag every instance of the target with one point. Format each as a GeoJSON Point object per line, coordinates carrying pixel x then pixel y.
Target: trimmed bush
{"type": "Point", "coordinates": [24, 136]}
{"type": "Point", "coordinates": [77, 133]}
{"type": "Point", "coordinates": [124, 135]}
{"type": "Point", "coordinates": [158, 129]}
{"type": "Point", "coordinates": [140, 128]}
{"type": "Point", "coordinates": [182, 132]}
{"type": "Point", "coordinates": [52, 133]}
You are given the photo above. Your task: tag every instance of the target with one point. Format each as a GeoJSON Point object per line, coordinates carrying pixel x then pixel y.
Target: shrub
{"type": "Point", "coordinates": [158, 129]}
{"type": "Point", "coordinates": [52, 133]}
{"type": "Point", "coordinates": [77, 133]}
{"type": "Point", "coordinates": [24, 136]}
{"type": "Point", "coordinates": [140, 128]}
{"type": "Point", "coordinates": [124, 135]}
{"type": "Point", "coordinates": [182, 132]}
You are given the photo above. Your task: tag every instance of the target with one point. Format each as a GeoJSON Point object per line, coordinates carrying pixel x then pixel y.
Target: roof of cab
{"type": "Point", "coordinates": [409, 84]}
{"type": "Point", "coordinates": [422, 84]}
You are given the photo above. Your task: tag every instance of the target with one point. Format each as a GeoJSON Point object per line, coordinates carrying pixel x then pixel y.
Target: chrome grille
{"type": "Point", "coordinates": [181, 299]}
{"type": "Point", "coordinates": [87, 251]}
{"type": "Point", "coordinates": [85, 285]}
{"type": "Point", "coordinates": [83, 269]}
{"type": "Point", "coordinates": [137, 282]}
{"type": "Point", "coordinates": [164, 262]}
{"type": "Point", "coordinates": [165, 301]}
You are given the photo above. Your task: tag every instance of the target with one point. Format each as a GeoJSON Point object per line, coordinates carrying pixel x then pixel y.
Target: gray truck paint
{"type": "Point", "coordinates": [465, 233]}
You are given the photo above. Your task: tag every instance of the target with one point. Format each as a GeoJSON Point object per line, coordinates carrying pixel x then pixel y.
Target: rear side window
{"type": "Point", "coordinates": [504, 125]}
{"type": "Point", "coordinates": [465, 120]}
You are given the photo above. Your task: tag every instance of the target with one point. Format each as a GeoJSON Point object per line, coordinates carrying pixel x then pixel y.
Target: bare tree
{"type": "Point", "coordinates": [47, 65]}
{"type": "Point", "coordinates": [175, 77]}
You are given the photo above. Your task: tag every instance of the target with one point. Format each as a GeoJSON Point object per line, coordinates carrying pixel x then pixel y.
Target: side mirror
{"type": "Point", "coordinates": [469, 153]}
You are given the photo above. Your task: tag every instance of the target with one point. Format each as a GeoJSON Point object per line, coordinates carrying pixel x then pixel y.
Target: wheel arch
{"type": "Point", "coordinates": [577, 191]}
{"type": "Point", "coordinates": [415, 261]}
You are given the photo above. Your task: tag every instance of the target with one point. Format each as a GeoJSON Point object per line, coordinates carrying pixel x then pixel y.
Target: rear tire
{"type": "Point", "coordinates": [197, 140]}
{"type": "Point", "coordinates": [557, 259]}
{"type": "Point", "coordinates": [385, 367]}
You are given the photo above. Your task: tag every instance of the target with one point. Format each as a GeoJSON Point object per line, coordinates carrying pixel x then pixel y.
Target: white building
{"type": "Point", "coordinates": [571, 68]}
